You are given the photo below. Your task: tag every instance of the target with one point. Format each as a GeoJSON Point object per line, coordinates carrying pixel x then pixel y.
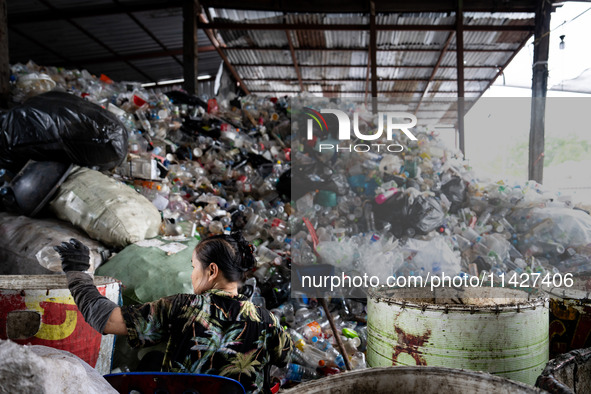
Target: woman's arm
{"type": "Point", "coordinates": [116, 323]}
{"type": "Point", "coordinates": [96, 309]}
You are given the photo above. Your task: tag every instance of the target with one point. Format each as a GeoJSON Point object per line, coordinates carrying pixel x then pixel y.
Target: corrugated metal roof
{"type": "Point", "coordinates": [243, 15]}
{"type": "Point", "coordinates": [332, 57]}
{"type": "Point", "coordinates": [259, 57]}
{"type": "Point", "coordinates": [407, 58]}
{"type": "Point", "coordinates": [167, 27]}
{"type": "Point", "coordinates": [266, 72]}
{"type": "Point", "coordinates": [54, 42]}
{"type": "Point", "coordinates": [396, 50]}
{"type": "Point", "coordinates": [327, 73]}
{"type": "Point", "coordinates": [265, 60]}
{"type": "Point", "coordinates": [404, 73]}
{"type": "Point", "coordinates": [477, 58]}
{"type": "Point", "coordinates": [68, 3]}
{"type": "Point", "coordinates": [22, 6]}
{"type": "Point", "coordinates": [122, 30]}
{"type": "Point", "coordinates": [63, 37]}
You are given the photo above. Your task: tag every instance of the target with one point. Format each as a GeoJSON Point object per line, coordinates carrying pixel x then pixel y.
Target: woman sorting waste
{"type": "Point", "coordinates": [214, 331]}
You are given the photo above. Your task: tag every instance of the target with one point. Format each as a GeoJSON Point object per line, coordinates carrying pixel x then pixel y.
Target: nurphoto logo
{"type": "Point", "coordinates": [393, 122]}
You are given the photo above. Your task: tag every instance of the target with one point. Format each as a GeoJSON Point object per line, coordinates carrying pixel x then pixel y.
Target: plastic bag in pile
{"type": "Point", "coordinates": [58, 126]}
{"type": "Point", "coordinates": [434, 256]}
{"type": "Point", "coordinates": [42, 369]}
{"type": "Point", "coordinates": [556, 225]}
{"type": "Point", "coordinates": [106, 209]}
{"type": "Point", "coordinates": [152, 269]}
{"type": "Point", "coordinates": [27, 245]}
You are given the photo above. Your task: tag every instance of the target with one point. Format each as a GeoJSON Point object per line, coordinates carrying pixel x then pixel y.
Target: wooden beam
{"type": "Point", "coordinates": [435, 68]}
{"type": "Point", "coordinates": [216, 44]}
{"type": "Point", "coordinates": [55, 14]}
{"type": "Point", "coordinates": [315, 81]}
{"type": "Point", "coordinates": [539, 89]}
{"type": "Point", "coordinates": [349, 6]}
{"type": "Point", "coordinates": [191, 9]}
{"type": "Point", "coordinates": [294, 59]}
{"type": "Point", "coordinates": [363, 91]}
{"type": "Point", "coordinates": [363, 49]}
{"type": "Point", "coordinates": [4, 59]}
{"type": "Point", "coordinates": [357, 27]}
{"type": "Point", "coordinates": [367, 81]}
{"type": "Point", "coordinates": [460, 72]}
{"type": "Point", "coordinates": [355, 66]}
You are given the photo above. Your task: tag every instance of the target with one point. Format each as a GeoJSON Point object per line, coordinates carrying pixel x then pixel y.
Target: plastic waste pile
{"type": "Point", "coordinates": [316, 351]}
{"type": "Point", "coordinates": [424, 211]}
{"type": "Point", "coordinates": [214, 165]}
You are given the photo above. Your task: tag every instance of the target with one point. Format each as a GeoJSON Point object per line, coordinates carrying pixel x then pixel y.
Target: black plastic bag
{"type": "Point", "coordinates": [426, 214]}
{"type": "Point", "coordinates": [179, 97]}
{"type": "Point", "coordinates": [283, 186]}
{"type": "Point", "coordinates": [407, 218]}
{"type": "Point", "coordinates": [58, 126]}
{"type": "Point", "coordinates": [455, 191]}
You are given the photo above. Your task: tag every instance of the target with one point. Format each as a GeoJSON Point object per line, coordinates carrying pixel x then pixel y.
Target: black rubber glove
{"type": "Point", "coordinates": [75, 255]}
{"type": "Point", "coordinates": [95, 307]}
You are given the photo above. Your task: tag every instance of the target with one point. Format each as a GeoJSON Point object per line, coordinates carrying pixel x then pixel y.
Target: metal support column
{"type": "Point", "coordinates": [4, 61]}
{"type": "Point", "coordinates": [460, 71]}
{"type": "Point", "coordinates": [373, 50]}
{"type": "Point", "coordinates": [539, 89]}
{"type": "Point", "coordinates": [191, 10]}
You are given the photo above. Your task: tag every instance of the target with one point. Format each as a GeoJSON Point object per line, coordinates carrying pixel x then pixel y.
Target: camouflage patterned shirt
{"type": "Point", "coordinates": [212, 333]}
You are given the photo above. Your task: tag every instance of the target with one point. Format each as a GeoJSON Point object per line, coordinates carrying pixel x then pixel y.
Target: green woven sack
{"type": "Point", "coordinates": [152, 269]}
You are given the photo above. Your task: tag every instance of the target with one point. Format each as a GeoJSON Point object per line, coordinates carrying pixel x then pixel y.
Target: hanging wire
{"type": "Point", "coordinates": [559, 26]}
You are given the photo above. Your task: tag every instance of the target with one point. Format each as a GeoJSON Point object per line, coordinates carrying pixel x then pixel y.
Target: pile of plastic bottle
{"type": "Point", "coordinates": [425, 211]}
{"type": "Point", "coordinates": [213, 165]}
{"type": "Point", "coordinates": [316, 352]}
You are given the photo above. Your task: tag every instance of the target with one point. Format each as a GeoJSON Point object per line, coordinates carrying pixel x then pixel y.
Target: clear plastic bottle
{"type": "Point", "coordinates": [49, 258]}
{"type": "Point", "coordinates": [310, 330]}
{"type": "Point", "coordinates": [297, 373]}
{"type": "Point", "coordinates": [266, 255]}
{"type": "Point", "coordinates": [312, 355]}
{"type": "Point", "coordinates": [351, 344]}
{"type": "Point", "coordinates": [289, 314]}
{"type": "Point", "coordinates": [295, 336]}
{"type": "Point", "coordinates": [334, 357]}
{"type": "Point", "coordinates": [305, 315]}
{"type": "Point", "coordinates": [362, 331]}
{"type": "Point", "coordinates": [358, 361]}
{"type": "Point", "coordinates": [470, 234]}
{"type": "Point", "coordinates": [298, 357]}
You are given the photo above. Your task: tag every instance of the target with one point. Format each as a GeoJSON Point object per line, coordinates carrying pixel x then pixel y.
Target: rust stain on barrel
{"type": "Point", "coordinates": [409, 344]}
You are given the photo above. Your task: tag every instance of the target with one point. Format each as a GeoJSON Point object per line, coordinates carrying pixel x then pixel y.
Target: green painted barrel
{"type": "Point", "coordinates": [497, 330]}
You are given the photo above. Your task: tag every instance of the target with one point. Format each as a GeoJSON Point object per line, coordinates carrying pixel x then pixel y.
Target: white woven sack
{"type": "Point", "coordinates": [106, 209]}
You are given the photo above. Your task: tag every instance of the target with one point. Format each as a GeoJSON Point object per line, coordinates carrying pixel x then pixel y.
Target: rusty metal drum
{"type": "Point", "coordinates": [497, 330]}
{"type": "Point", "coordinates": [570, 315]}
{"type": "Point", "coordinates": [411, 380]}
{"type": "Point", "coordinates": [569, 373]}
